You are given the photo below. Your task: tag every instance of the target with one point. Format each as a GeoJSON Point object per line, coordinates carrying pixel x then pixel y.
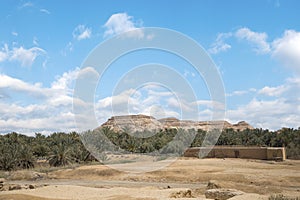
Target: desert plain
{"type": "Point", "coordinates": [186, 178]}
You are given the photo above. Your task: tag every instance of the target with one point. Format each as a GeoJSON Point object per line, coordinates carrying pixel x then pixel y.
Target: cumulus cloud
{"type": "Point", "coordinates": [54, 110]}
{"type": "Point", "coordinates": [271, 114]}
{"type": "Point", "coordinates": [4, 54]}
{"type": "Point", "coordinates": [259, 40]}
{"type": "Point", "coordinates": [273, 91]}
{"type": "Point", "coordinates": [52, 107]}
{"type": "Point", "coordinates": [20, 54]}
{"type": "Point", "coordinates": [81, 32]}
{"type": "Point", "coordinates": [65, 81]}
{"type": "Point", "coordinates": [287, 49]}
{"type": "Point", "coordinates": [281, 109]}
{"type": "Point", "coordinates": [26, 56]}
{"type": "Point", "coordinates": [121, 22]}
{"type": "Point", "coordinates": [156, 102]}
{"type": "Point", "coordinates": [62, 86]}
{"type": "Point", "coordinates": [272, 107]}
{"type": "Point", "coordinates": [219, 45]}
{"type": "Point", "coordinates": [12, 84]}
{"type": "Point", "coordinates": [50, 110]}
{"type": "Point", "coordinates": [130, 101]}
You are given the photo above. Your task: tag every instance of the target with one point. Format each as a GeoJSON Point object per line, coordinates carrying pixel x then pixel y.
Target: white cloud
{"type": "Point", "coordinates": [88, 74]}
{"type": "Point", "coordinates": [68, 48]}
{"type": "Point", "coordinates": [52, 110]}
{"type": "Point", "coordinates": [280, 110]}
{"type": "Point", "coordinates": [272, 114]}
{"type": "Point", "coordinates": [43, 10]}
{"type": "Point", "coordinates": [25, 56]}
{"type": "Point", "coordinates": [259, 40]}
{"type": "Point", "coordinates": [120, 23]}
{"type": "Point", "coordinates": [211, 105]}
{"type": "Point", "coordinates": [65, 82]}
{"type": "Point", "coordinates": [156, 102]}
{"type": "Point", "coordinates": [134, 102]}
{"type": "Point", "coordinates": [273, 91]}
{"type": "Point", "coordinates": [4, 53]}
{"type": "Point", "coordinates": [14, 33]}
{"type": "Point", "coordinates": [238, 93]}
{"type": "Point", "coordinates": [256, 39]}
{"type": "Point", "coordinates": [287, 49]}
{"type": "Point", "coordinates": [26, 5]}
{"type": "Point", "coordinates": [81, 32]}
{"type": "Point", "coordinates": [35, 41]}
{"type": "Point", "coordinates": [219, 45]}
{"type": "Point", "coordinates": [241, 92]}
{"type": "Point", "coordinates": [12, 84]}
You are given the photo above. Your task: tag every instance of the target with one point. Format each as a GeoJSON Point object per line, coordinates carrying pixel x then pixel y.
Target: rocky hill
{"type": "Point", "coordinates": [144, 122]}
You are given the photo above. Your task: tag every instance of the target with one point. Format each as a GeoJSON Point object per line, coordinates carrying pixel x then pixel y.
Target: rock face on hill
{"type": "Point", "coordinates": [133, 123]}
{"type": "Point", "coordinates": [144, 122]}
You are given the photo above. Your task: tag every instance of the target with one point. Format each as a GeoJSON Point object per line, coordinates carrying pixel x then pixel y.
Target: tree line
{"type": "Point", "coordinates": [19, 151]}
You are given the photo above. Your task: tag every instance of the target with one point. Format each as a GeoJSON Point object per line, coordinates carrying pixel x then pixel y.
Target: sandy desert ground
{"type": "Point", "coordinates": [258, 179]}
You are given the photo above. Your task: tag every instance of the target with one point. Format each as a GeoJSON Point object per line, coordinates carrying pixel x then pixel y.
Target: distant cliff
{"type": "Point", "coordinates": [144, 122]}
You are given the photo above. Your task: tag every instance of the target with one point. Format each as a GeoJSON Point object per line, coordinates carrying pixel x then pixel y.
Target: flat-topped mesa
{"type": "Point", "coordinates": [170, 122]}
{"type": "Point", "coordinates": [242, 125]}
{"type": "Point", "coordinates": [132, 123]}
{"type": "Point", "coordinates": [125, 118]}
{"type": "Point", "coordinates": [144, 122]}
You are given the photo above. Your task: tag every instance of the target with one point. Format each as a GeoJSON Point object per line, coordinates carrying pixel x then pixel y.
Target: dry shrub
{"type": "Point", "coordinates": [108, 172]}
{"type": "Point", "coordinates": [282, 197]}
{"type": "Point", "coordinates": [182, 194]}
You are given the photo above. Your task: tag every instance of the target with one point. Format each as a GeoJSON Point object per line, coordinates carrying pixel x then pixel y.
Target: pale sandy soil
{"type": "Point", "coordinates": [260, 178]}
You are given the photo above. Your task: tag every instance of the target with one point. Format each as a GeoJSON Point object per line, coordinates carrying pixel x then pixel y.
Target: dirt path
{"type": "Point", "coordinates": [110, 183]}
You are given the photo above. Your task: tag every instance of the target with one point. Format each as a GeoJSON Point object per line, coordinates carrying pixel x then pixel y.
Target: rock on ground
{"type": "Point", "coordinates": [212, 184]}
{"type": "Point", "coordinates": [222, 194]}
{"type": "Point", "coordinates": [14, 187]}
{"type": "Point", "coordinates": [26, 175]}
{"type": "Point", "coordinates": [182, 194]}
{"type": "Point", "coordinates": [250, 196]}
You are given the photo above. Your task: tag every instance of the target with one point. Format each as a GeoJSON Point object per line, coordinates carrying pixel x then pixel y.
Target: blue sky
{"type": "Point", "coordinates": [254, 44]}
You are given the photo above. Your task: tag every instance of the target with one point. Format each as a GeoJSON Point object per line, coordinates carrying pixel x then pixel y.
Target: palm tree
{"type": "Point", "coordinates": [60, 156]}
{"type": "Point", "coordinates": [25, 158]}
{"type": "Point", "coordinates": [131, 145]}
{"type": "Point", "coordinates": [8, 154]}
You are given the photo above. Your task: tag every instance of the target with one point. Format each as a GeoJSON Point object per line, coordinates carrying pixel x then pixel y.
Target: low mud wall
{"type": "Point", "coordinates": [262, 153]}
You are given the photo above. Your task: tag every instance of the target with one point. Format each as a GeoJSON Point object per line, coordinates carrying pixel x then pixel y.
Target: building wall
{"type": "Point", "coordinates": [276, 153]}
{"type": "Point", "coordinates": [262, 153]}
